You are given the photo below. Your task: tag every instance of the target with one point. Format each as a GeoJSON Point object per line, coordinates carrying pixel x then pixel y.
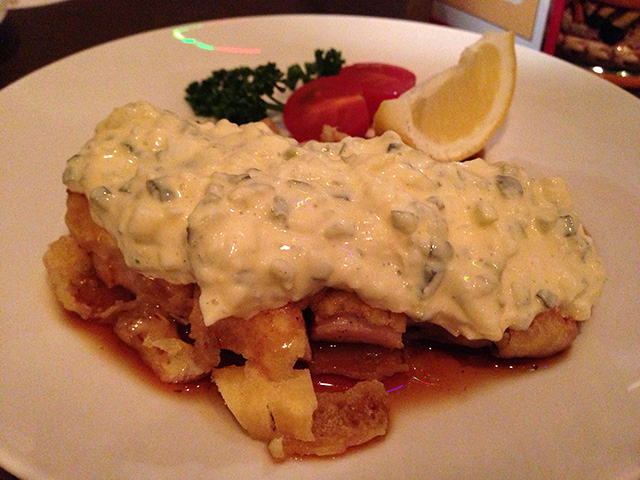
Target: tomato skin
{"type": "Point", "coordinates": [336, 101]}
{"type": "Point", "coordinates": [380, 81]}
{"type": "Point", "coordinates": [347, 101]}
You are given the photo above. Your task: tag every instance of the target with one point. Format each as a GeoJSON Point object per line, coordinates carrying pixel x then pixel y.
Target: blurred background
{"type": "Point", "coordinates": [603, 36]}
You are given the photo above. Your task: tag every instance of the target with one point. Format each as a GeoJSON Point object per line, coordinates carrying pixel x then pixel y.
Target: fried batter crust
{"type": "Point", "coordinates": [342, 317]}
{"type": "Point", "coordinates": [89, 277]}
{"type": "Point", "coordinates": [164, 324]}
{"type": "Point", "coordinates": [342, 420]}
{"type": "Point", "coordinates": [548, 334]}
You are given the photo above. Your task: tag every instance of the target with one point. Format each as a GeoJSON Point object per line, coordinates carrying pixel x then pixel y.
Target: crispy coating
{"type": "Point", "coordinates": [271, 391]}
{"type": "Point", "coordinates": [77, 286]}
{"type": "Point", "coordinates": [274, 340]}
{"type": "Point", "coordinates": [342, 420]}
{"type": "Point", "coordinates": [110, 267]}
{"type": "Point", "coordinates": [148, 330]}
{"type": "Point", "coordinates": [161, 321]}
{"type": "Point", "coordinates": [548, 334]}
{"type": "Point", "coordinates": [342, 317]}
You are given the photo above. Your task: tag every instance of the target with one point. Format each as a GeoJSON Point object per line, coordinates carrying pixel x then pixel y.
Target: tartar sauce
{"type": "Point", "coordinates": [258, 220]}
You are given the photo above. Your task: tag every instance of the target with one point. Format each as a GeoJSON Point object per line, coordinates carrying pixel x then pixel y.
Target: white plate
{"type": "Point", "coordinates": [70, 408]}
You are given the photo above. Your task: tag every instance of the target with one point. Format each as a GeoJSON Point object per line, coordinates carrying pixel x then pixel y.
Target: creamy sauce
{"type": "Point", "coordinates": [258, 220]}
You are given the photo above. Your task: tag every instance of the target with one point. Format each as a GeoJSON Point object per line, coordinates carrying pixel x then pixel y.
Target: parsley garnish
{"type": "Point", "coordinates": [244, 94]}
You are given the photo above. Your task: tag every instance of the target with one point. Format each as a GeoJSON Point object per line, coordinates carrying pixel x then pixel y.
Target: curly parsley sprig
{"type": "Point", "coordinates": [245, 94]}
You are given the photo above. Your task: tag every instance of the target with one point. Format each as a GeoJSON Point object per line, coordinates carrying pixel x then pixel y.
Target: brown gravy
{"type": "Point", "coordinates": [103, 337]}
{"type": "Point", "coordinates": [436, 373]}
{"type": "Point", "coordinates": [440, 373]}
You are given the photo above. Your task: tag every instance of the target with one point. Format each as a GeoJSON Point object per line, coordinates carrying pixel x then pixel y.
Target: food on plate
{"type": "Point", "coordinates": [380, 81]}
{"type": "Point", "coordinates": [333, 101]}
{"type": "Point", "coordinates": [324, 94]}
{"type": "Point", "coordinates": [245, 94]}
{"type": "Point", "coordinates": [346, 102]}
{"type": "Point", "coordinates": [232, 252]}
{"type": "Point", "coordinates": [452, 115]}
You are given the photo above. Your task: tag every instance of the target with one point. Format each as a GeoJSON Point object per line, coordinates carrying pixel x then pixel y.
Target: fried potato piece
{"type": "Point", "coordinates": [342, 317]}
{"type": "Point", "coordinates": [275, 402]}
{"type": "Point", "coordinates": [267, 395]}
{"type": "Point", "coordinates": [342, 420]}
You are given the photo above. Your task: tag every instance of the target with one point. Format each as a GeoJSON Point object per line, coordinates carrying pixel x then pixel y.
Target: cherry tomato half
{"type": "Point", "coordinates": [335, 101]}
{"type": "Point", "coordinates": [380, 81]}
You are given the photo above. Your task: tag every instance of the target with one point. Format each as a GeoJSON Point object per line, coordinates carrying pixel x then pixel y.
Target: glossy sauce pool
{"type": "Point", "coordinates": [435, 374]}
{"type": "Point", "coordinates": [440, 373]}
{"type": "Point", "coordinates": [110, 346]}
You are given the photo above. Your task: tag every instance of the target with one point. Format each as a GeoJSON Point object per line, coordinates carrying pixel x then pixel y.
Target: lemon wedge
{"type": "Point", "coordinates": [453, 114]}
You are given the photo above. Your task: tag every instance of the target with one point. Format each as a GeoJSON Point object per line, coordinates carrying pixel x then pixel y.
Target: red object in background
{"type": "Point", "coordinates": [554, 23]}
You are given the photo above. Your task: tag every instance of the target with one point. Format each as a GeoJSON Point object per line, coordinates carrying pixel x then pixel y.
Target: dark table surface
{"type": "Point", "coordinates": [31, 38]}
